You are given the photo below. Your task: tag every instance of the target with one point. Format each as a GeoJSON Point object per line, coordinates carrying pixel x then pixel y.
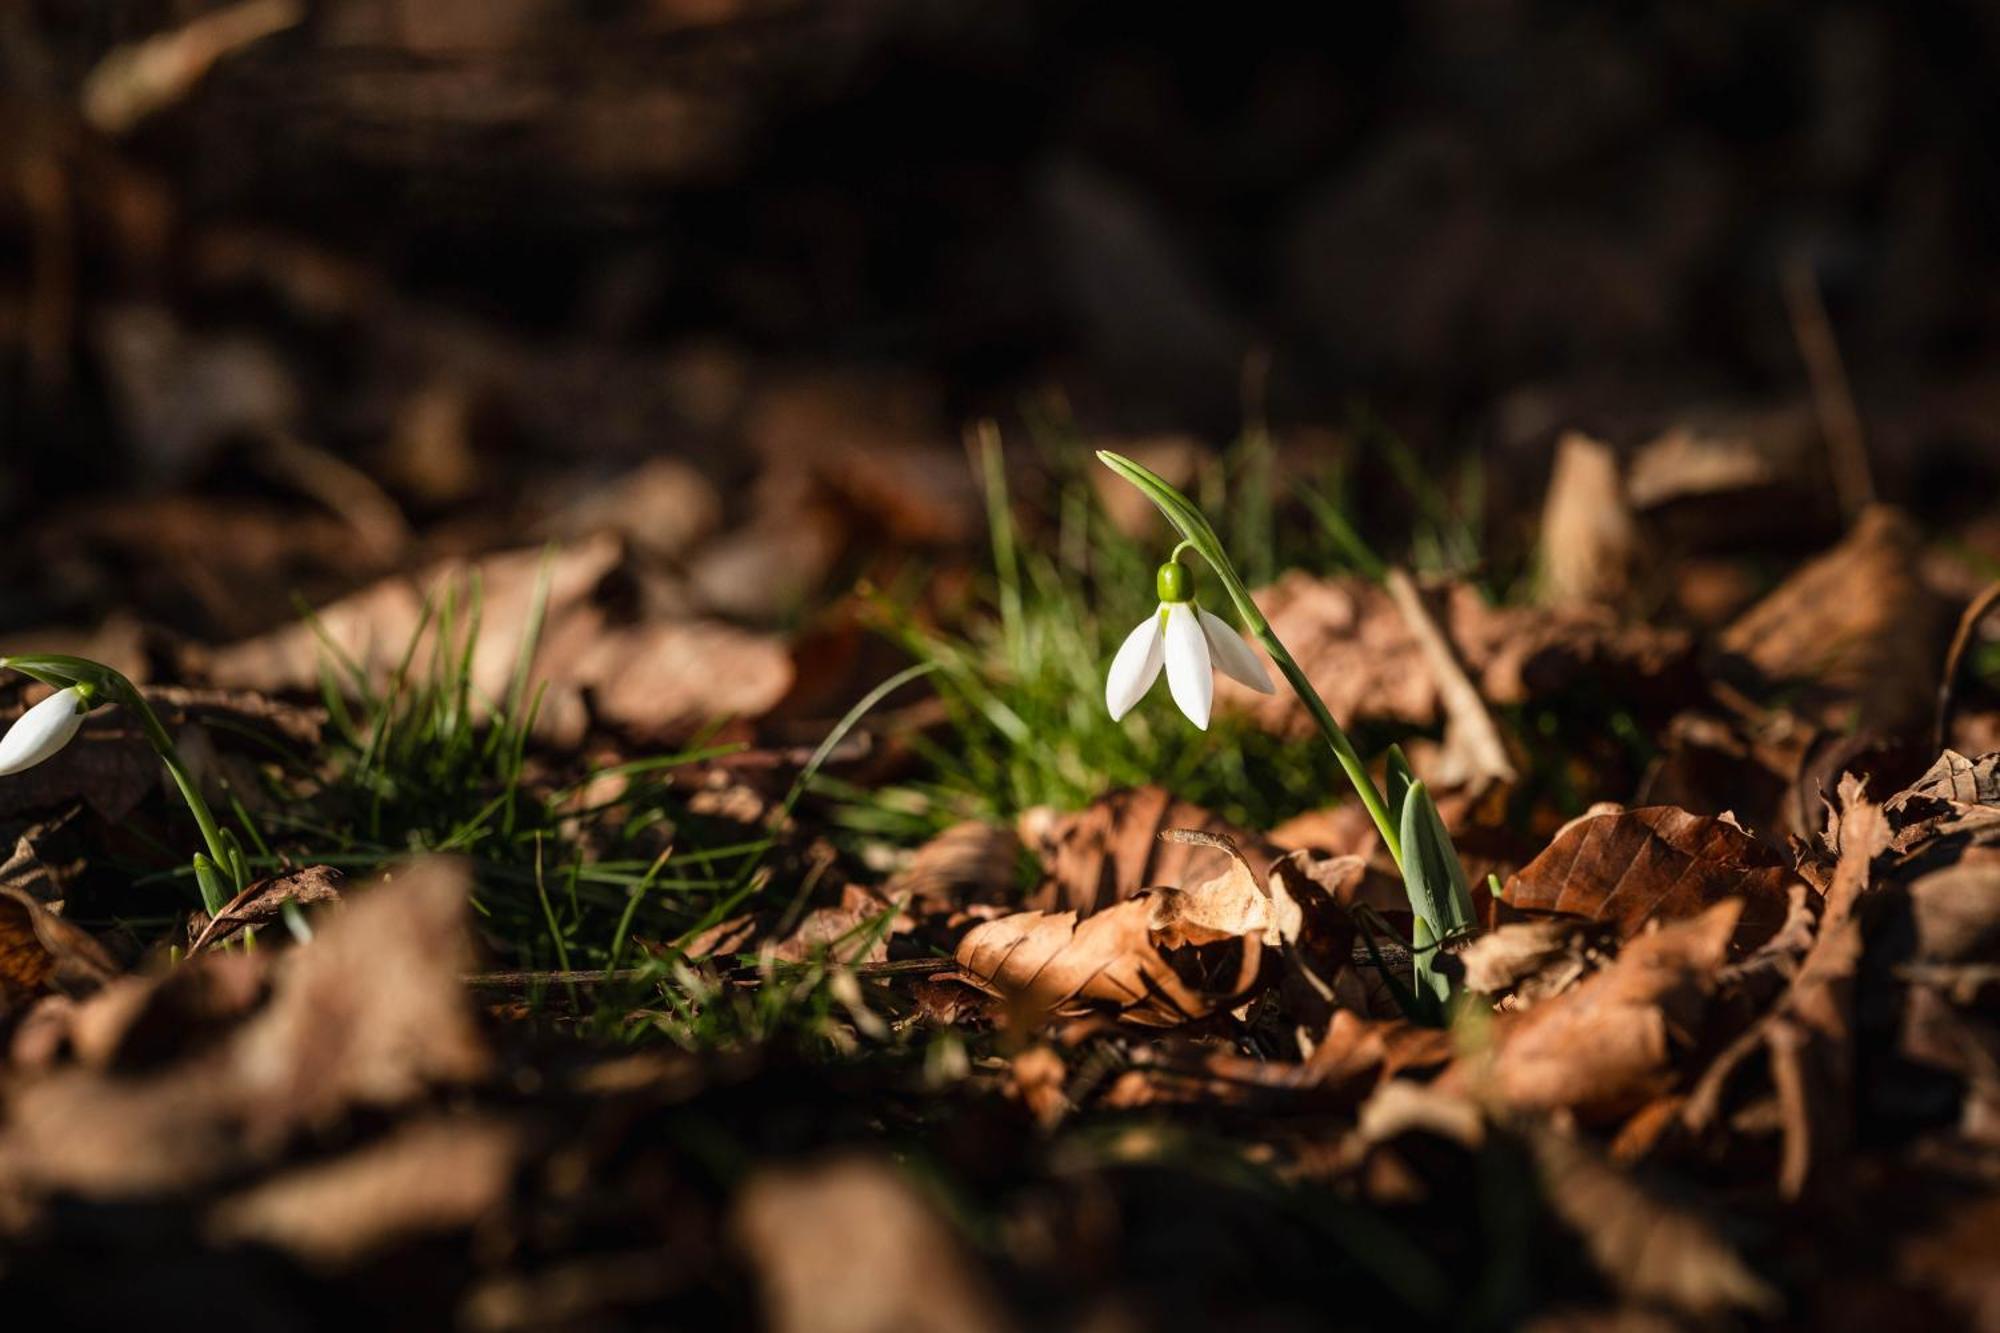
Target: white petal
{"type": "Point", "coordinates": [42, 730]}
{"type": "Point", "coordinates": [1134, 669]}
{"type": "Point", "coordinates": [1188, 673]}
{"type": "Point", "coordinates": [1233, 656]}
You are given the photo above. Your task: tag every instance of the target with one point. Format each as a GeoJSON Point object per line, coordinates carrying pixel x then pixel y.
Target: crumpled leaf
{"type": "Point", "coordinates": [1159, 959]}
{"type": "Point", "coordinates": [1611, 1044]}
{"type": "Point", "coordinates": [1657, 863]}
{"type": "Point", "coordinates": [1111, 849]}
{"type": "Point", "coordinates": [263, 901]}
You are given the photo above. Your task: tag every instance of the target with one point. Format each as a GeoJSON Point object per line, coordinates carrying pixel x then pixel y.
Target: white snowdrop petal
{"type": "Point", "coordinates": [41, 731]}
{"type": "Point", "coordinates": [1233, 655]}
{"type": "Point", "coordinates": [1134, 669]}
{"type": "Point", "coordinates": [1189, 676]}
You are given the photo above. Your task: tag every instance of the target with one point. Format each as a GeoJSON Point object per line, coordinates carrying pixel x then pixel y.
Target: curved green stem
{"type": "Point", "coordinates": [1197, 535]}
{"type": "Point", "coordinates": [62, 670]}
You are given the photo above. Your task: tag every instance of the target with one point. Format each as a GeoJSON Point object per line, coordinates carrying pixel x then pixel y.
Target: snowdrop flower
{"type": "Point", "coordinates": [1189, 643]}
{"type": "Point", "coordinates": [42, 730]}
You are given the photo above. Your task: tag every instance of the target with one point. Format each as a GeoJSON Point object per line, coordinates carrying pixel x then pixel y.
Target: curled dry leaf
{"type": "Point", "coordinates": [1659, 863]}
{"type": "Point", "coordinates": [263, 902]}
{"type": "Point", "coordinates": [1111, 849]}
{"type": "Point", "coordinates": [1159, 959]}
{"type": "Point", "coordinates": [848, 1246]}
{"type": "Point", "coordinates": [1529, 961]}
{"type": "Point", "coordinates": [1608, 1046]}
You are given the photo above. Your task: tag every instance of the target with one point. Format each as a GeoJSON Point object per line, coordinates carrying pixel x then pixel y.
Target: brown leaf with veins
{"type": "Point", "coordinates": [1160, 959]}
{"type": "Point", "coordinates": [1111, 849]}
{"type": "Point", "coordinates": [1659, 863]}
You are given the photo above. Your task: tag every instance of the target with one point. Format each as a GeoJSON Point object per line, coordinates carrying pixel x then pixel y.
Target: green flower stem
{"type": "Point", "coordinates": [94, 678]}
{"type": "Point", "coordinates": [1197, 535]}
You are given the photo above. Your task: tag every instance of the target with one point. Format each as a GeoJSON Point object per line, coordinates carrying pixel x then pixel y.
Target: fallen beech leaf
{"type": "Point", "coordinates": [1161, 958]}
{"type": "Point", "coordinates": [972, 862]}
{"type": "Point", "coordinates": [1857, 636]}
{"type": "Point", "coordinates": [40, 952]}
{"type": "Point", "coordinates": [1656, 863]}
{"type": "Point", "coordinates": [1609, 1045]}
{"type": "Point", "coordinates": [436, 1175]}
{"type": "Point", "coordinates": [373, 1010]}
{"type": "Point", "coordinates": [1111, 849]}
{"type": "Point", "coordinates": [847, 1246]}
{"type": "Point", "coordinates": [1653, 1251]}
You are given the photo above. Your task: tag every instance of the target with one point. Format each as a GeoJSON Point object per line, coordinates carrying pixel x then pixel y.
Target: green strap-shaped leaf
{"type": "Point", "coordinates": [1434, 875]}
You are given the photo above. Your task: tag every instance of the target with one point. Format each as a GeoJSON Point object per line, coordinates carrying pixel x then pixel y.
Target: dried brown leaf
{"type": "Point", "coordinates": [1659, 863]}
{"type": "Point", "coordinates": [1111, 849]}
{"type": "Point", "coordinates": [1855, 636]}
{"type": "Point", "coordinates": [40, 952]}
{"type": "Point", "coordinates": [1609, 1045]}
{"type": "Point", "coordinates": [431, 1176]}
{"type": "Point", "coordinates": [1360, 653]}
{"type": "Point", "coordinates": [847, 1246]}
{"type": "Point", "coordinates": [1655, 1252]}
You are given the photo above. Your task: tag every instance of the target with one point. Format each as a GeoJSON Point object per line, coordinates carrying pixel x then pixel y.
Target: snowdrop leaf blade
{"type": "Point", "coordinates": [41, 731]}
{"type": "Point", "coordinates": [1134, 669]}
{"type": "Point", "coordinates": [1232, 655]}
{"type": "Point", "coordinates": [1189, 675]}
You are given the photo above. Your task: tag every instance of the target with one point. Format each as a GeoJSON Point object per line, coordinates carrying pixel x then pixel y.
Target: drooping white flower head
{"type": "Point", "coordinates": [1189, 643]}
{"type": "Point", "coordinates": [42, 730]}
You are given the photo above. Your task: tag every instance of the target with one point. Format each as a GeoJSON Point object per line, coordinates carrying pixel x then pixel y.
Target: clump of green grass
{"type": "Point", "coordinates": [1022, 683]}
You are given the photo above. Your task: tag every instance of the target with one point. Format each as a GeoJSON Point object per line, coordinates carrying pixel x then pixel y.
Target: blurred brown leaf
{"type": "Point", "coordinates": [848, 1246]}
{"type": "Point", "coordinates": [1361, 655]}
{"type": "Point", "coordinates": [1856, 636]}
{"type": "Point", "coordinates": [40, 952]}
{"type": "Point", "coordinates": [434, 1175]}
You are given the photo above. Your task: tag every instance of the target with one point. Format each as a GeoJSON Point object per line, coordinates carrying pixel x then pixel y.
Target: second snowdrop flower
{"type": "Point", "coordinates": [1189, 644]}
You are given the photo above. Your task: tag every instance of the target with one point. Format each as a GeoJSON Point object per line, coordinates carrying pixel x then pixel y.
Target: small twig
{"type": "Point", "coordinates": [1833, 397]}
{"type": "Point", "coordinates": [1961, 641]}
{"type": "Point", "coordinates": [1474, 733]}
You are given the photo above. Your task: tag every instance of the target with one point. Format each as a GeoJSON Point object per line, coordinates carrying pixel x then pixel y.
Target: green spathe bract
{"type": "Point", "coordinates": [1408, 819]}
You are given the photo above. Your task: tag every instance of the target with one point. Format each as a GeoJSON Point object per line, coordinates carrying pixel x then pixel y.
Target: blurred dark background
{"type": "Point", "coordinates": [463, 247]}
